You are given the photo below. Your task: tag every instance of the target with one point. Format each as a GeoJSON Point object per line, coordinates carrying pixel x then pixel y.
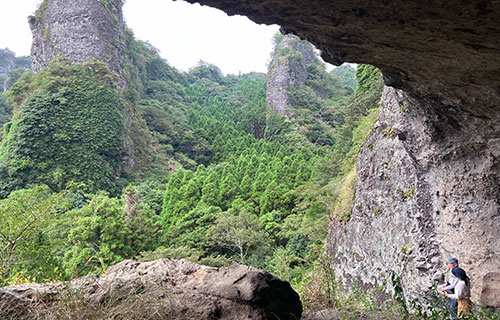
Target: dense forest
{"type": "Point", "coordinates": [243, 183]}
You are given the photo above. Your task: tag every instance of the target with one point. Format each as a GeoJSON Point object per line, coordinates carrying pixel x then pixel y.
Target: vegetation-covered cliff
{"type": "Point", "coordinates": [251, 185]}
{"type": "Point", "coordinates": [76, 119]}
{"type": "Point", "coordinates": [301, 90]}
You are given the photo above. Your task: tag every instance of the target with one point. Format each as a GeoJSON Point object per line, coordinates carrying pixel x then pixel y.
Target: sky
{"type": "Point", "coordinates": [183, 33]}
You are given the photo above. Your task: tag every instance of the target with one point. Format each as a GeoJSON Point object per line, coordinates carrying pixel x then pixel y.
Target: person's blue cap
{"type": "Point", "coordinates": [452, 260]}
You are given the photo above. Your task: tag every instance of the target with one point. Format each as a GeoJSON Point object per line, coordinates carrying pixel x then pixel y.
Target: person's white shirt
{"type": "Point", "coordinates": [452, 281]}
{"type": "Point", "coordinates": [462, 291]}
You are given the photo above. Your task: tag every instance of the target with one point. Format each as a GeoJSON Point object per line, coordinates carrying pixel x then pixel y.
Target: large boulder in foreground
{"type": "Point", "coordinates": [161, 289]}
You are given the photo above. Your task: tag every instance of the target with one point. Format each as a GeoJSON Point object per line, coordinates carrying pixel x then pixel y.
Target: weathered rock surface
{"type": "Point", "coordinates": [287, 71]}
{"type": "Point", "coordinates": [427, 189]}
{"type": "Point", "coordinates": [192, 291]}
{"type": "Point", "coordinates": [79, 31]}
{"type": "Point", "coordinates": [7, 62]}
{"type": "Point", "coordinates": [428, 184]}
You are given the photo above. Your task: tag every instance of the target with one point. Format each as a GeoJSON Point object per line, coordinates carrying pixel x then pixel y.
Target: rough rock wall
{"type": "Point", "coordinates": [6, 64]}
{"type": "Point", "coordinates": [78, 31]}
{"type": "Point", "coordinates": [286, 72]}
{"type": "Point", "coordinates": [427, 189]}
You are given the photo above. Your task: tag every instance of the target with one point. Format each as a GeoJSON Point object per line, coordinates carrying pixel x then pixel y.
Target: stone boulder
{"type": "Point", "coordinates": [183, 289]}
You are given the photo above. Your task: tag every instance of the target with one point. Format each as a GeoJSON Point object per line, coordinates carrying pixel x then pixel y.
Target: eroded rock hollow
{"type": "Point", "coordinates": [428, 183]}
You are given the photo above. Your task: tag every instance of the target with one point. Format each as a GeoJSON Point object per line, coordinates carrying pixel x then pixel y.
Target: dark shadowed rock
{"type": "Point", "coordinates": [192, 291]}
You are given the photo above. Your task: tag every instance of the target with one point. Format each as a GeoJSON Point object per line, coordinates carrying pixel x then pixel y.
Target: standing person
{"type": "Point", "coordinates": [462, 292]}
{"type": "Point", "coordinates": [449, 287]}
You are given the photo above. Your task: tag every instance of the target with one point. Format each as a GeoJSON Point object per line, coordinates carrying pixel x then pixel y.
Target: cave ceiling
{"type": "Point", "coordinates": [448, 51]}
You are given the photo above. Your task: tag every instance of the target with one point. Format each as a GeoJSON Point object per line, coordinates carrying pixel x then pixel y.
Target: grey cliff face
{"type": "Point", "coordinates": [9, 62]}
{"type": "Point", "coordinates": [287, 72]}
{"type": "Point", "coordinates": [427, 189]}
{"type": "Point", "coordinates": [6, 65]}
{"type": "Point", "coordinates": [79, 31]}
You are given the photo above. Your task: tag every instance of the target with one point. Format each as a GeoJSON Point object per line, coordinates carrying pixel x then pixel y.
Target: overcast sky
{"type": "Point", "coordinates": [184, 33]}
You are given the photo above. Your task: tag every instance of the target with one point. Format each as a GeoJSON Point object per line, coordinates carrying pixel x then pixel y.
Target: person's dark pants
{"type": "Point", "coordinates": [453, 308]}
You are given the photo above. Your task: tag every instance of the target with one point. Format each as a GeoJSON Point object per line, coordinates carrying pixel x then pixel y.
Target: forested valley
{"type": "Point", "coordinates": [225, 178]}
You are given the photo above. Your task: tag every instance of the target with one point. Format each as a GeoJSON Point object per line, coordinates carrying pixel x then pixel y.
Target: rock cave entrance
{"type": "Point", "coordinates": [441, 59]}
{"type": "Point", "coordinates": [441, 106]}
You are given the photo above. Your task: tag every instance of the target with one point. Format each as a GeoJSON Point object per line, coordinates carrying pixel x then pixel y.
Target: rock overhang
{"type": "Point", "coordinates": [445, 50]}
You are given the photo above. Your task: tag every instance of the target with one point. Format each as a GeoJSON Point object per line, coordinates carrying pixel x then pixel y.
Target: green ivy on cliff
{"type": "Point", "coordinates": [68, 125]}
